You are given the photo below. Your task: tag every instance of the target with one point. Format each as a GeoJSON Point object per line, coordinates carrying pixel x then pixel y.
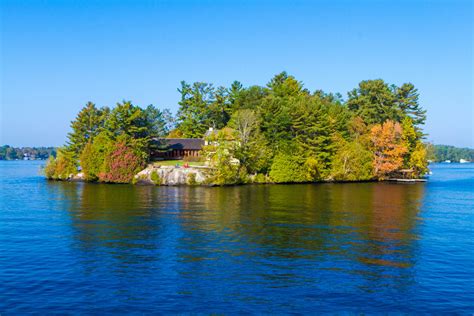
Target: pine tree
{"type": "Point", "coordinates": [407, 100]}
{"type": "Point", "coordinates": [88, 123]}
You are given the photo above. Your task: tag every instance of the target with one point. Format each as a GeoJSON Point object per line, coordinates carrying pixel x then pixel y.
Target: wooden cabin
{"type": "Point", "coordinates": [177, 148]}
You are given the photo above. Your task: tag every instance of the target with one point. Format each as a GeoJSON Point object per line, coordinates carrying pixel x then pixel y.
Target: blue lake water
{"type": "Point", "coordinates": [367, 247]}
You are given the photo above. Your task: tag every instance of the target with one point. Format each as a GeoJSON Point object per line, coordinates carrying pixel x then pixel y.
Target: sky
{"type": "Point", "coordinates": [57, 55]}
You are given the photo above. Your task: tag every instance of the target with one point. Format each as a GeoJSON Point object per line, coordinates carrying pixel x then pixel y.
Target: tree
{"type": "Point", "coordinates": [234, 94]}
{"type": "Point", "coordinates": [249, 98]}
{"type": "Point", "coordinates": [93, 156]}
{"type": "Point", "coordinates": [62, 167]}
{"type": "Point", "coordinates": [288, 168]}
{"type": "Point", "coordinates": [244, 122]}
{"type": "Point", "coordinates": [156, 121]}
{"type": "Point", "coordinates": [87, 124]}
{"type": "Point", "coordinates": [374, 102]}
{"type": "Point", "coordinates": [169, 119]}
{"type": "Point", "coordinates": [312, 130]}
{"type": "Point", "coordinates": [283, 85]}
{"type": "Point", "coordinates": [226, 169]}
{"type": "Point", "coordinates": [193, 115]}
{"type": "Point", "coordinates": [220, 109]}
{"type": "Point", "coordinates": [276, 122]}
{"type": "Point", "coordinates": [156, 127]}
{"type": "Point", "coordinates": [418, 161]}
{"type": "Point", "coordinates": [406, 98]}
{"type": "Point", "coordinates": [388, 148]}
{"type": "Point", "coordinates": [130, 121]}
{"type": "Point", "coordinates": [352, 161]}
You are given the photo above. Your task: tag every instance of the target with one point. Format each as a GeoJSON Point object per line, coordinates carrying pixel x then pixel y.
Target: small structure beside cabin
{"type": "Point", "coordinates": [177, 148]}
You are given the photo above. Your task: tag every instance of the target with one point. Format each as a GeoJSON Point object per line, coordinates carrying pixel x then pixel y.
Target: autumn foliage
{"type": "Point", "coordinates": [281, 132]}
{"type": "Point", "coordinates": [121, 165]}
{"type": "Point", "coordinates": [388, 148]}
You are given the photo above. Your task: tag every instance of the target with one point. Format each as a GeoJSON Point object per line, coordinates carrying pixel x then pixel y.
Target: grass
{"type": "Point", "coordinates": [179, 162]}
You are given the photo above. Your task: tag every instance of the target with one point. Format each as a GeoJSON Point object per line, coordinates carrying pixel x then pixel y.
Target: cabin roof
{"type": "Point", "coordinates": [182, 143]}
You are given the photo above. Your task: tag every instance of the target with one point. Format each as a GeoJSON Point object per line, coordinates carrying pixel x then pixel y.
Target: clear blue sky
{"type": "Point", "coordinates": [57, 55]}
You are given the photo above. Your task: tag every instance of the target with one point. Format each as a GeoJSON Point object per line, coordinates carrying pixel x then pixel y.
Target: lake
{"type": "Point", "coordinates": [360, 247]}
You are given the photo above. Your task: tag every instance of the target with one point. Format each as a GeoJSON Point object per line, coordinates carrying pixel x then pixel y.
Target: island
{"type": "Point", "coordinates": [278, 133]}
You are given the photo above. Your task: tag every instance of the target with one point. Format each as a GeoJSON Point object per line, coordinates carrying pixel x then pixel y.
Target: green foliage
{"type": "Point", "coordinates": [260, 178]}
{"type": "Point", "coordinates": [88, 123]}
{"type": "Point", "coordinates": [281, 130]}
{"type": "Point", "coordinates": [191, 179]}
{"type": "Point", "coordinates": [155, 177]}
{"type": "Point", "coordinates": [352, 162]}
{"type": "Point", "coordinates": [287, 168]}
{"type": "Point", "coordinates": [374, 102]}
{"type": "Point", "coordinates": [418, 160]}
{"type": "Point", "coordinates": [201, 107]}
{"type": "Point", "coordinates": [226, 169]}
{"type": "Point", "coordinates": [62, 167]}
{"type": "Point", "coordinates": [92, 159]}
{"type": "Point", "coordinates": [313, 131]}
{"type": "Point", "coordinates": [283, 85]}
{"type": "Point", "coordinates": [406, 98]}
{"type": "Point", "coordinates": [133, 123]}
{"type": "Point", "coordinates": [50, 168]}
{"type": "Point", "coordinates": [31, 153]}
{"type": "Point", "coordinates": [445, 152]}
{"type": "Point", "coordinates": [276, 122]}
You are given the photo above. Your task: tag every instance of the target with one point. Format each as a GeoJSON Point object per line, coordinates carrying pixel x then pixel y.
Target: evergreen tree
{"type": "Point", "coordinates": [374, 102]}
{"type": "Point", "coordinates": [85, 127]}
{"type": "Point", "coordinates": [312, 131]}
{"type": "Point", "coordinates": [130, 121]}
{"type": "Point", "coordinates": [194, 115]}
{"type": "Point", "coordinates": [406, 98]}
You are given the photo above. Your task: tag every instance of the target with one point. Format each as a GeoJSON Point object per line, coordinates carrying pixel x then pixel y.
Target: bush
{"type": "Point", "coordinates": [122, 164]}
{"type": "Point", "coordinates": [155, 177]}
{"type": "Point", "coordinates": [62, 167]}
{"type": "Point", "coordinates": [191, 179]}
{"type": "Point", "coordinates": [50, 168]}
{"type": "Point", "coordinates": [287, 168]}
{"type": "Point", "coordinates": [260, 178]}
{"type": "Point", "coordinates": [352, 162]}
{"type": "Point", "coordinates": [93, 157]}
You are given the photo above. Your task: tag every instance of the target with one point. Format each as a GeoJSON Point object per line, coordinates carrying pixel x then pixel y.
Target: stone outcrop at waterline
{"type": "Point", "coordinates": [169, 175]}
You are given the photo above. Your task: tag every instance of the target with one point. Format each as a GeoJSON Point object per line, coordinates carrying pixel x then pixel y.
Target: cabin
{"type": "Point", "coordinates": [177, 148]}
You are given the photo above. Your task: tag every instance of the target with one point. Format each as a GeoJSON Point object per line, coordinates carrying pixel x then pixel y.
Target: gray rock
{"type": "Point", "coordinates": [170, 175]}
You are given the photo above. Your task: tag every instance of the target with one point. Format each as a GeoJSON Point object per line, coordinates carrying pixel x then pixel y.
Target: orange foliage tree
{"type": "Point", "coordinates": [388, 147]}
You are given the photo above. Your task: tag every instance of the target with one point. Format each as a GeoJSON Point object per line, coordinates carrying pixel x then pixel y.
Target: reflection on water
{"type": "Point", "coordinates": [285, 236]}
{"type": "Point", "coordinates": [261, 248]}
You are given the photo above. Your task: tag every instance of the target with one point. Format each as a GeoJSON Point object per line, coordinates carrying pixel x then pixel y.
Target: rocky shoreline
{"type": "Point", "coordinates": [199, 175]}
{"type": "Point", "coordinates": [163, 175]}
{"type": "Point", "coordinates": [170, 175]}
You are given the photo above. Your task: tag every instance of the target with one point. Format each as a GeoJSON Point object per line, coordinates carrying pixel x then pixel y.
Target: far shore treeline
{"type": "Point", "coordinates": [26, 153]}
{"type": "Point", "coordinates": [280, 133]}
{"type": "Point", "coordinates": [435, 153]}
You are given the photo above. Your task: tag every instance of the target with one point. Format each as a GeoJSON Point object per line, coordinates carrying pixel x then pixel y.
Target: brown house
{"type": "Point", "coordinates": [178, 148]}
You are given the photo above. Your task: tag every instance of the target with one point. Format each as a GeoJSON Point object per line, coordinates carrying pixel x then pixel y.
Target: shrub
{"type": "Point", "coordinates": [352, 162]}
{"type": "Point", "coordinates": [287, 168]}
{"type": "Point", "coordinates": [93, 156]}
{"type": "Point", "coordinates": [191, 179]}
{"type": "Point", "coordinates": [122, 164]}
{"type": "Point", "coordinates": [155, 177]}
{"type": "Point", "coordinates": [50, 168]}
{"type": "Point", "coordinates": [260, 178]}
{"type": "Point", "coordinates": [62, 167]}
